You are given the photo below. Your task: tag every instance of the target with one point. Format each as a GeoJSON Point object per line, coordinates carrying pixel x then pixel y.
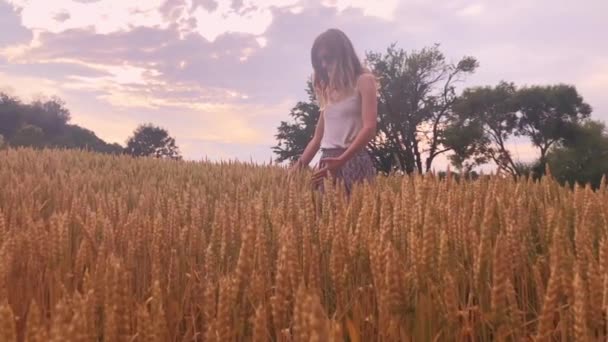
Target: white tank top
{"type": "Point", "coordinates": [342, 122]}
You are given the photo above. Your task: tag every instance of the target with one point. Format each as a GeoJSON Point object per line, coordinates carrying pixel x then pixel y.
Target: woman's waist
{"type": "Point", "coordinates": [333, 149]}
{"type": "Point", "coordinates": [336, 151]}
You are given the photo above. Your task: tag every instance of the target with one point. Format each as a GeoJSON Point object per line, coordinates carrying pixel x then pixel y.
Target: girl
{"type": "Point", "coordinates": [346, 93]}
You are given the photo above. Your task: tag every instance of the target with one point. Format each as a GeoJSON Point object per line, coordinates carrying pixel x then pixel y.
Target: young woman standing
{"type": "Point", "coordinates": [347, 97]}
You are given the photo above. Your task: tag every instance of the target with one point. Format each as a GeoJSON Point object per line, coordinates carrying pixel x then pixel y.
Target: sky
{"type": "Point", "coordinates": [220, 75]}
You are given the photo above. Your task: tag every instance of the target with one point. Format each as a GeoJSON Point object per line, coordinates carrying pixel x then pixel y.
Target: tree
{"type": "Point", "coordinates": [583, 157]}
{"type": "Point", "coordinates": [417, 91]}
{"type": "Point", "coordinates": [467, 141]}
{"type": "Point", "coordinates": [485, 118]}
{"type": "Point", "coordinates": [544, 114]}
{"type": "Point", "coordinates": [45, 123]}
{"type": "Point", "coordinates": [29, 136]}
{"type": "Point", "coordinates": [549, 114]}
{"type": "Point", "coordinates": [10, 115]}
{"type": "Point", "coordinates": [50, 115]}
{"type": "Point", "coordinates": [74, 136]}
{"type": "Point", "coordinates": [293, 137]}
{"type": "Point", "coordinates": [114, 148]}
{"type": "Point", "coordinates": [152, 141]}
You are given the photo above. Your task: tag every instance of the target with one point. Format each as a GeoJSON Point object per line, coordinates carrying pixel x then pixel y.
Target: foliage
{"type": "Point", "coordinates": [149, 140]}
{"type": "Point", "coordinates": [293, 137]}
{"type": "Point", "coordinates": [45, 123]}
{"type": "Point", "coordinates": [583, 158]}
{"type": "Point", "coordinates": [416, 93]}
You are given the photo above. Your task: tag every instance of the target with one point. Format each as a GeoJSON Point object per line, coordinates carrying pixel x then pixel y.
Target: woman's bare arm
{"type": "Point", "coordinates": [315, 143]}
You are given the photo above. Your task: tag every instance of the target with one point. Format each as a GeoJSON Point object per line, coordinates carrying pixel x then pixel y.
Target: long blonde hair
{"type": "Point", "coordinates": [345, 74]}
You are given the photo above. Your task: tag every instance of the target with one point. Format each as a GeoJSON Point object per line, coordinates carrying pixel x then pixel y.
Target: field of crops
{"type": "Point", "coordinates": [100, 248]}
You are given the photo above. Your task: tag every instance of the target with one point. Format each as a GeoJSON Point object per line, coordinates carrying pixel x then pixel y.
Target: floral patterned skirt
{"type": "Point", "coordinates": [358, 169]}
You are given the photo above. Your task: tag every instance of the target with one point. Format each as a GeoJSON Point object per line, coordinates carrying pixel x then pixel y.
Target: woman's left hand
{"type": "Point", "coordinates": [328, 165]}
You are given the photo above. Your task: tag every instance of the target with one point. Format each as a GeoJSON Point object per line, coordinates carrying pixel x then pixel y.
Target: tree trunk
{"type": "Point", "coordinates": [418, 158]}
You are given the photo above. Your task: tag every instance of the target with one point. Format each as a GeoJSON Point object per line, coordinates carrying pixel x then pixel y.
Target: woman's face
{"type": "Point", "coordinates": [327, 60]}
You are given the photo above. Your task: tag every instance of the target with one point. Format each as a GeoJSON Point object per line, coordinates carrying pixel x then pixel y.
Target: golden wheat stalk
{"type": "Point", "coordinates": [95, 247]}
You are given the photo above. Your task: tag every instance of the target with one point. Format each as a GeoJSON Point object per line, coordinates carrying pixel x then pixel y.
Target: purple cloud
{"type": "Point", "coordinates": [10, 26]}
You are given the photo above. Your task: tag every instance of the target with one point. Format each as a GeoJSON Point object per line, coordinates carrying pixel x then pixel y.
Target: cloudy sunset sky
{"type": "Point", "coordinates": [220, 75]}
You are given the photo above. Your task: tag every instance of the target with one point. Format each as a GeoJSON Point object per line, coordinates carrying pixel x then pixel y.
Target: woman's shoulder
{"type": "Point", "coordinates": [366, 73]}
{"type": "Point", "coordinates": [366, 79]}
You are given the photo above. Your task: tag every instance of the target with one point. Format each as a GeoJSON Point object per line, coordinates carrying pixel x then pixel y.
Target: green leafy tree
{"type": "Point", "coordinates": [549, 114]}
{"type": "Point", "coordinates": [467, 141]}
{"type": "Point", "coordinates": [544, 114]}
{"type": "Point", "coordinates": [485, 118]}
{"type": "Point", "coordinates": [293, 136]}
{"type": "Point", "coordinates": [51, 115]}
{"type": "Point", "coordinates": [29, 136]}
{"type": "Point", "coordinates": [10, 115]}
{"type": "Point", "coordinates": [583, 157]}
{"type": "Point", "coordinates": [152, 141]}
{"type": "Point", "coordinates": [76, 137]}
{"type": "Point", "coordinates": [416, 94]}
{"type": "Point", "coordinates": [45, 123]}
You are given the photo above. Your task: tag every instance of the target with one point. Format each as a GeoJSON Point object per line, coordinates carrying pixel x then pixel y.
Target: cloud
{"type": "Point", "coordinates": [472, 10]}
{"type": "Point", "coordinates": [236, 17]}
{"type": "Point", "coordinates": [103, 16]}
{"type": "Point", "coordinates": [10, 26]}
{"type": "Point", "coordinates": [208, 18]}
{"type": "Point", "coordinates": [384, 9]}
{"type": "Point", "coordinates": [28, 87]}
{"type": "Point", "coordinates": [57, 71]}
{"type": "Point", "coordinates": [245, 62]}
{"type": "Point", "coordinates": [136, 45]}
{"type": "Point", "coordinates": [62, 16]}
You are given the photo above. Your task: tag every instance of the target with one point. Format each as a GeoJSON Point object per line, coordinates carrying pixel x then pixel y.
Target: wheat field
{"type": "Point", "coordinates": [106, 248]}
